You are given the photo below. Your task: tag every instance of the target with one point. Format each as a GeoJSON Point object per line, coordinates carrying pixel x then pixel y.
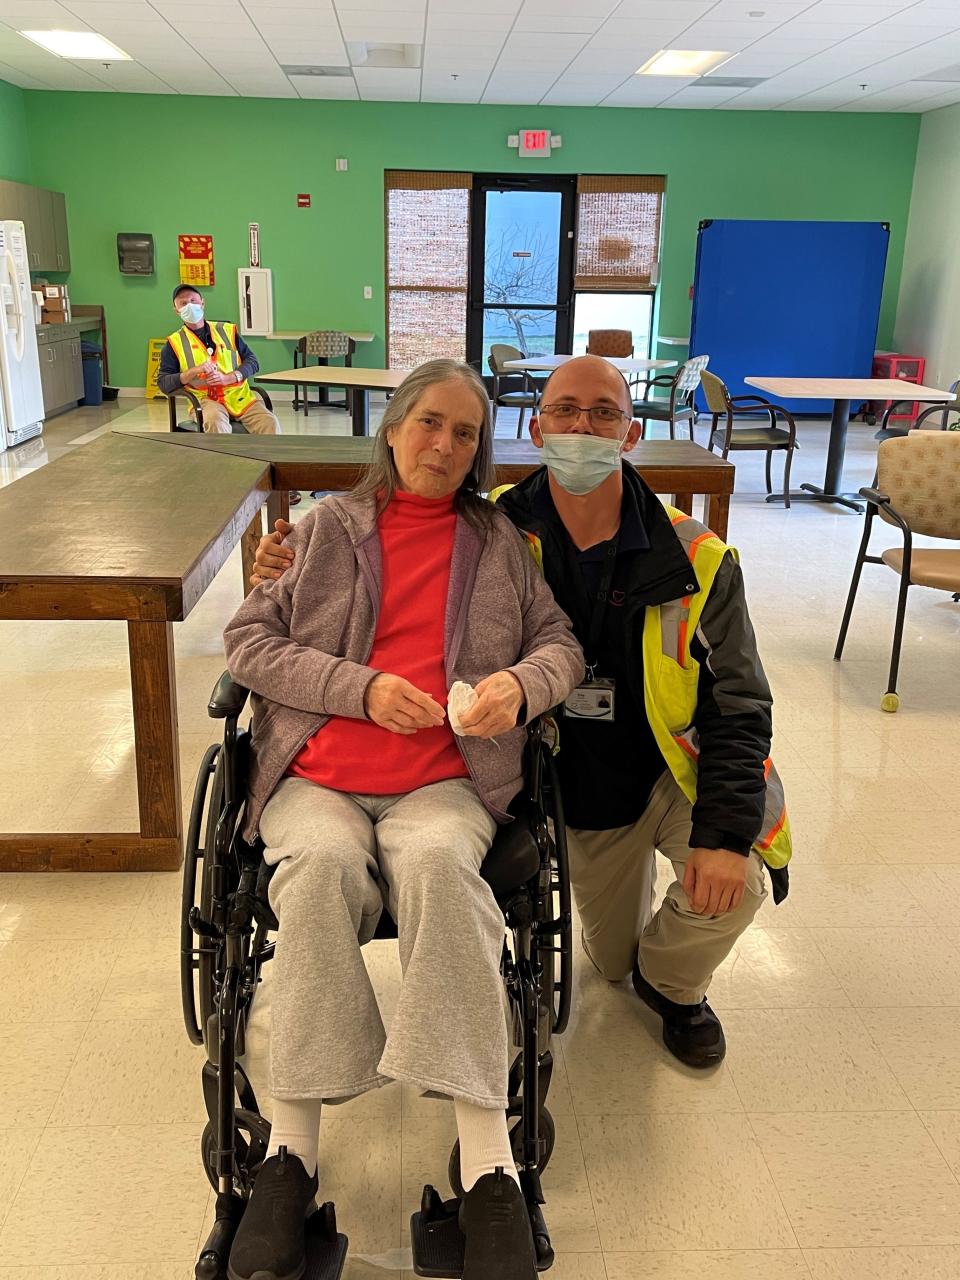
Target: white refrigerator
{"type": "Point", "coordinates": [21, 396]}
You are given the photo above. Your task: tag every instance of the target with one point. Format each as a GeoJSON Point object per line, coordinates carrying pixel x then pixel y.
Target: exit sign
{"type": "Point", "coordinates": [534, 144]}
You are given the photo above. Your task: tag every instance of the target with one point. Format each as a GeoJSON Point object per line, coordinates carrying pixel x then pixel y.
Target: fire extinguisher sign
{"type": "Point", "coordinates": [254, 244]}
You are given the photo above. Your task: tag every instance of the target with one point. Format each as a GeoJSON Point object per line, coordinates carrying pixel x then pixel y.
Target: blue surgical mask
{"type": "Point", "coordinates": [581, 463]}
{"type": "Point", "coordinates": [191, 313]}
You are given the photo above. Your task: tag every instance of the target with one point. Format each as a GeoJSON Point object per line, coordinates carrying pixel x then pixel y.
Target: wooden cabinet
{"type": "Point", "coordinates": [61, 367]}
{"type": "Point", "coordinates": [44, 216]}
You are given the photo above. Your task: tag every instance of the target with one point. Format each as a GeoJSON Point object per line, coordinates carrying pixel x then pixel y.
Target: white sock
{"type": "Point", "coordinates": [484, 1143]}
{"type": "Point", "coordinates": [296, 1126]}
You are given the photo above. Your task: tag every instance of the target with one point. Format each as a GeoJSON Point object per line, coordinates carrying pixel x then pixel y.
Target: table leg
{"type": "Point", "coordinates": [153, 684]}
{"type": "Point", "coordinates": [717, 513]}
{"type": "Point", "coordinates": [684, 502]}
{"type": "Point", "coordinates": [360, 412]}
{"type": "Point", "coordinates": [323, 393]}
{"type": "Point", "coordinates": [833, 476]}
{"type": "Point", "coordinates": [248, 549]}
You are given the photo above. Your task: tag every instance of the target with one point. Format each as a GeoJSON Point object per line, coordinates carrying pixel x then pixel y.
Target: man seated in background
{"type": "Point", "coordinates": [214, 362]}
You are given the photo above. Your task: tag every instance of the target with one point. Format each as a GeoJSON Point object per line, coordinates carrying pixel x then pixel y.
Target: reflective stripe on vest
{"type": "Point", "coordinates": [670, 684]}
{"type": "Point", "coordinates": [191, 352]}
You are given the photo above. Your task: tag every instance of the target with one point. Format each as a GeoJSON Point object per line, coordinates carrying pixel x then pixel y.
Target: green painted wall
{"type": "Point", "coordinates": [175, 164]}
{"type": "Point", "coordinates": [14, 152]}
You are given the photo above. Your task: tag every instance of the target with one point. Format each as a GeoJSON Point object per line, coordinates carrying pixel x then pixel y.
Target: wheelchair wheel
{"type": "Point", "coordinates": [251, 1138]}
{"type": "Point", "coordinates": [548, 1138]}
{"type": "Point", "coordinates": [192, 947]}
{"type": "Point", "coordinates": [207, 959]}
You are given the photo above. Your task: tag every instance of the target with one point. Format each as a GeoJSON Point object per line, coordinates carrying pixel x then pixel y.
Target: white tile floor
{"type": "Point", "coordinates": [826, 1148]}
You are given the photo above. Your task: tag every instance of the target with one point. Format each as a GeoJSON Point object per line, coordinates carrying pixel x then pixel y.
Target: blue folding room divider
{"type": "Point", "coordinates": [788, 299]}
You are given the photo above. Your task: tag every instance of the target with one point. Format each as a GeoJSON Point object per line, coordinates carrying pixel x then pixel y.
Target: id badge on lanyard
{"type": "Point", "coordinates": [595, 698]}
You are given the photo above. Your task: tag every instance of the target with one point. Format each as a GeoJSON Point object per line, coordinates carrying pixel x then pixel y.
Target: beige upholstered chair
{"type": "Point", "coordinates": [767, 436]}
{"type": "Point", "coordinates": [610, 342]}
{"type": "Point", "coordinates": [322, 345]}
{"type": "Point", "coordinates": [918, 490]}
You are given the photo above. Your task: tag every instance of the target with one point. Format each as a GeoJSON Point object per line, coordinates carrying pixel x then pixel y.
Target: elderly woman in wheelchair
{"type": "Point", "coordinates": [364, 797]}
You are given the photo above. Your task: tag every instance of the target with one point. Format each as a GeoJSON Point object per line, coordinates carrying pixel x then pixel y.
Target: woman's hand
{"type": "Point", "coordinates": [395, 704]}
{"type": "Point", "coordinates": [499, 699]}
{"type": "Point", "coordinates": [272, 558]}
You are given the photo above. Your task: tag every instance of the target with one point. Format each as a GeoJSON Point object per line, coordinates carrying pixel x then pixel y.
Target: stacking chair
{"type": "Point", "coordinates": [767, 436]}
{"type": "Point", "coordinates": [679, 406]}
{"type": "Point", "coordinates": [917, 490]}
{"type": "Point", "coordinates": [523, 399]}
{"type": "Point", "coordinates": [323, 345]}
{"type": "Point", "coordinates": [610, 342]}
{"type": "Point", "coordinates": [887, 432]}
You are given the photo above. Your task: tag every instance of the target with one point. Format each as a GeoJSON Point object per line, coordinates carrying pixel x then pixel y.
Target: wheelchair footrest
{"type": "Point", "coordinates": [438, 1243]}
{"type": "Point", "coordinates": [326, 1247]}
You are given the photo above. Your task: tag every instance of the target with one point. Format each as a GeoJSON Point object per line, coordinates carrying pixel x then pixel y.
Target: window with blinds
{"type": "Point", "coordinates": [427, 263]}
{"type": "Point", "coordinates": [618, 232]}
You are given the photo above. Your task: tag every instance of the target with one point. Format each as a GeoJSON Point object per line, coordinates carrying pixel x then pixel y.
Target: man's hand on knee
{"type": "Point", "coordinates": [714, 880]}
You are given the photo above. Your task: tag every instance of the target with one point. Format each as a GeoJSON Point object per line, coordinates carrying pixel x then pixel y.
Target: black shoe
{"type": "Point", "coordinates": [294, 497]}
{"type": "Point", "coordinates": [495, 1221]}
{"type": "Point", "coordinates": [269, 1244]}
{"type": "Point", "coordinates": [692, 1032]}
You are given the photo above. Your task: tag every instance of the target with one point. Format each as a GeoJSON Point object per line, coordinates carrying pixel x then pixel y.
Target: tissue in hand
{"type": "Point", "coordinates": [461, 698]}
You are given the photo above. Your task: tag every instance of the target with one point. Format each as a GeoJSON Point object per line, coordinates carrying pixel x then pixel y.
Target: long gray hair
{"type": "Point", "coordinates": [382, 479]}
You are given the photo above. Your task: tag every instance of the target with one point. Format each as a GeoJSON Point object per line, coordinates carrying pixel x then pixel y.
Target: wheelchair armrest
{"type": "Point", "coordinates": [228, 698]}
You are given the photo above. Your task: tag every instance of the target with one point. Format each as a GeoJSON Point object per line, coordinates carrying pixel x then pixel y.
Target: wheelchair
{"type": "Point", "coordinates": [225, 939]}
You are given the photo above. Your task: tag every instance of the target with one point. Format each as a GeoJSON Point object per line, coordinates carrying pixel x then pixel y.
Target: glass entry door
{"type": "Point", "coordinates": [521, 266]}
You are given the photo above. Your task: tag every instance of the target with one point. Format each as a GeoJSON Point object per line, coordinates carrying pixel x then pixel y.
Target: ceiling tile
{"type": "Point", "coordinates": [685, 11]}
{"type": "Point", "coordinates": [399, 28]}
{"type": "Point", "coordinates": [338, 87]}
{"type": "Point", "coordinates": [397, 84]}
{"type": "Point", "coordinates": [536, 22]}
{"type": "Point", "coordinates": [511, 7]}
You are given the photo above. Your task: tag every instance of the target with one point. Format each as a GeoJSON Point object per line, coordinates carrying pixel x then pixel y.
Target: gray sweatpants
{"type": "Point", "coordinates": [338, 858]}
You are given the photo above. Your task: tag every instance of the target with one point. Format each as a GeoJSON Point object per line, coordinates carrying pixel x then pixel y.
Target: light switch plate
{"type": "Point", "coordinates": [367, 292]}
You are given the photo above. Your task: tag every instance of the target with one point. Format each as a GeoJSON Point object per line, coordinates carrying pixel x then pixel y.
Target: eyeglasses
{"type": "Point", "coordinates": [599, 415]}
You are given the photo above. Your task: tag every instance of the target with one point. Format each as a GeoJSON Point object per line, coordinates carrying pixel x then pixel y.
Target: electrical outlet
{"type": "Point", "coordinates": [367, 292]}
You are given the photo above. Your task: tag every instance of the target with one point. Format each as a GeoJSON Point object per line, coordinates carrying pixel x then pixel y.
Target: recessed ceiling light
{"type": "Point", "coordinates": [77, 45]}
{"type": "Point", "coordinates": [683, 62]}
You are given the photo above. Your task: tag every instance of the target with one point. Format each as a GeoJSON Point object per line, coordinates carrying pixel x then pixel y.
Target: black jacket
{"type": "Point", "coordinates": [733, 716]}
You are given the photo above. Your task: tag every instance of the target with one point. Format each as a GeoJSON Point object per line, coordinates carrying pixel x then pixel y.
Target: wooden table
{"type": "Point", "coordinates": [335, 463]}
{"type": "Point", "coordinates": [174, 509]}
{"type": "Point", "coordinates": [626, 364]}
{"type": "Point", "coordinates": [842, 391]}
{"type": "Point", "coordinates": [358, 381]}
{"type": "Point", "coordinates": [139, 535]}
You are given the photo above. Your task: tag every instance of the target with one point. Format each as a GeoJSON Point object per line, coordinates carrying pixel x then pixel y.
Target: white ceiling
{"type": "Point", "coordinates": [815, 55]}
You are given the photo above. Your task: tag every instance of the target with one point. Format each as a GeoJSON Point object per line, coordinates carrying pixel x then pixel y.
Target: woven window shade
{"type": "Point", "coordinates": [427, 251]}
{"type": "Point", "coordinates": [618, 231]}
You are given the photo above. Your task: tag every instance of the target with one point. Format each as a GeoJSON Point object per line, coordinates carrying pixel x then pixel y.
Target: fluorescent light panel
{"type": "Point", "coordinates": [77, 45]}
{"type": "Point", "coordinates": [684, 62]}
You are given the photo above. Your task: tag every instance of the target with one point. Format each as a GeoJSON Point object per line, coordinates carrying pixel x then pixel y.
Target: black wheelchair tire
{"type": "Point", "coordinates": [245, 1122]}
{"type": "Point", "coordinates": [548, 1136]}
{"type": "Point", "coordinates": [193, 856]}
{"type": "Point", "coordinates": [207, 959]}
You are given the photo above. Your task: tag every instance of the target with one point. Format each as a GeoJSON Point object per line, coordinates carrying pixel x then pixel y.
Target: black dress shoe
{"type": "Point", "coordinates": [692, 1032]}
{"type": "Point", "coordinates": [496, 1224]}
{"type": "Point", "coordinates": [270, 1242]}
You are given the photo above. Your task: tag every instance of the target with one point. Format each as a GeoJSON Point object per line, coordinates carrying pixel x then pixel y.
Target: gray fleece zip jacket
{"type": "Point", "coordinates": [301, 644]}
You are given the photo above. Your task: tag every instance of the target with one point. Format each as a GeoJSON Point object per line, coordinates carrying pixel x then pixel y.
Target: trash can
{"type": "Point", "coordinates": [92, 374]}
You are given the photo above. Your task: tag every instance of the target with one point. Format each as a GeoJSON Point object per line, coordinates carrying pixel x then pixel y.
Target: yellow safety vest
{"type": "Point", "coordinates": [191, 352]}
{"type": "Point", "coordinates": [671, 676]}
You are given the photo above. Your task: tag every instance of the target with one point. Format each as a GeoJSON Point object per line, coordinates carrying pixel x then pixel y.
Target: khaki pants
{"type": "Point", "coordinates": [614, 877]}
{"type": "Point", "coordinates": [257, 418]}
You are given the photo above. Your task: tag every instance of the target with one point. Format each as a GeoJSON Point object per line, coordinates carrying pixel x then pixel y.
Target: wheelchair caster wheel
{"type": "Point", "coordinates": [890, 702]}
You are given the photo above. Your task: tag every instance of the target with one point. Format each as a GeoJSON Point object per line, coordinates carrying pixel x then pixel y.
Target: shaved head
{"type": "Point", "coordinates": [594, 379]}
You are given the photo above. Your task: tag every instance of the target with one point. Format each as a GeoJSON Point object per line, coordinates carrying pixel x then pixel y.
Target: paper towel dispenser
{"type": "Point", "coordinates": [135, 253]}
{"type": "Point", "coordinates": [256, 300]}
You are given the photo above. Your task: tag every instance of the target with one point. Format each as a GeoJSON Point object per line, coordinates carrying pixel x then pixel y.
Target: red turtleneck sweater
{"type": "Point", "coordinates": [416, 540]}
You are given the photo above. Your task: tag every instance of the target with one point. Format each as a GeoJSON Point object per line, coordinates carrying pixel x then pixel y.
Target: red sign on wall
{"type": "Point", "coordinates": [303, 201]}
{"type": "Point", "coordinates": [196, 259]}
